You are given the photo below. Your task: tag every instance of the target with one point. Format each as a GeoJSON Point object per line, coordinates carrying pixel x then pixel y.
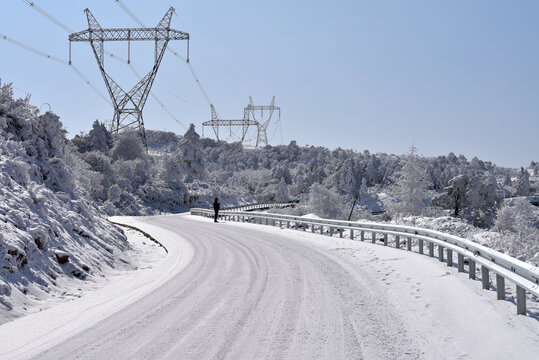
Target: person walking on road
{"type": "Point", "coordinates": [216, 207]}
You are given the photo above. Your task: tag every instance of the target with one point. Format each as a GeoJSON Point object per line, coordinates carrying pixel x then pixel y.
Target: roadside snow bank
{"type": "Point", "coordinates": [26, 337]}
{"type": "Point", "coordinates": [49, 232]}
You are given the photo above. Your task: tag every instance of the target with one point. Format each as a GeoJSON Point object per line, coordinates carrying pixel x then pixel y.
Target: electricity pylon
{"type": "Point", "coordinates": [217, 122]}
{"type": "Point", "coordinates": [248, 111]}
{"type": "Point", "coordinates": [262, 136]}
{"type": "Point", "coordinates": [128, 105]}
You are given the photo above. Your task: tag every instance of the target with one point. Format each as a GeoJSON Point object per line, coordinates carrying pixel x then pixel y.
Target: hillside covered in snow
{"type": "Point", "coordinates": [49, 230]}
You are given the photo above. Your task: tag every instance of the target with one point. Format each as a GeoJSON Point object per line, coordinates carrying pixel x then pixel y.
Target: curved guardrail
{"type": "Point", "coordinates": [525, 276]}
{"type": "Point", "coordinates": [262, 206]}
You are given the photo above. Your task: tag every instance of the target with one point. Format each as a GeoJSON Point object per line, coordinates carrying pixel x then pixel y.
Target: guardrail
{"type": "Point", "coordinates": [525, 276]}
{"type": "Point", "coordinates": [259, 206]}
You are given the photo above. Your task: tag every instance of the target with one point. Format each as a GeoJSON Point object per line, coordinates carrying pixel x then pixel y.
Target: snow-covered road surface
{"type": "Point", "coordinates": [242, 291]}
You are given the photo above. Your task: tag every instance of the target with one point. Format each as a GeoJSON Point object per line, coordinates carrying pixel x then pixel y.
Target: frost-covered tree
{"type": "Point", "coordinates": [454, 195]}
{"type": "Point", "coordinates": [281, 193]}
{"type": "Point", "coordinates": [410, 186]}
{"type": "Point", "coordinates": [100, 138]}
{"type": "Point", "coordinates": [523, 183]}
{"type": "Point", "coordinates": [325, 202]}
{"type": "Point", "coordinates": [518, 221]}
{"type": "Point", "coordinates": [191, 157]}
{"type": "Point", "coordinates": [128, 147]}
{"type": "Point", "coordinates": [507, 180]}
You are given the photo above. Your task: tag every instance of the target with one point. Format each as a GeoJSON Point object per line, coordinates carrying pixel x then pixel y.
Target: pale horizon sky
{"type": "Point", "coordinates": [447, 76]}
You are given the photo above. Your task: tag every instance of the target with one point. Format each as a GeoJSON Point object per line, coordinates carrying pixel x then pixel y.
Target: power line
{"type": "Point", "coordinates": [217, 75]}
{"type": "Point", "coordinates": [77, 71]}
{"type": "Point", "coordinates": [56, 59]}
{"type": "Point", "coordinates": [175, 53]}
{"type": "Point", "coordinates": [48, 16]}
{"type": "Point", "coordinates": [64, 27]}
{"type": "Point", "coordinates": [158, 101]}
{"type": "Point", "coordinates": [31, 49]}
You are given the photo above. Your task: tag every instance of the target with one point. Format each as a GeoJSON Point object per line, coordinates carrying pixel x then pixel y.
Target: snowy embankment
{"type": "Point", "coordinates": [243, 291]}
{"type": "Point", "coordinates": [27, 336]}
{"type": "Point", "coordinates": [51, 237]}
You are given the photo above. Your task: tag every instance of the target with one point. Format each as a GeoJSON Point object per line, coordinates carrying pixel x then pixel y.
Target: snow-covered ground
{"type": "Point", "coordinates": [143, 254]}
{"type": "Point", "coordinates": [244, 291]}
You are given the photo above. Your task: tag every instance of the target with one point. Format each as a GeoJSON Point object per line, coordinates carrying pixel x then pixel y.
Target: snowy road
{"type": "Point", "coordinates": [250, 292]}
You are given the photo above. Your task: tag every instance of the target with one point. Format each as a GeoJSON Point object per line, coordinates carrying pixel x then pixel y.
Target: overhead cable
{"type": "Point", "coordinates": [175, 53]}
{"type": "Point", "coordinates": [64, 27]}
{"type": "Point", "coordinates": [56, 59]}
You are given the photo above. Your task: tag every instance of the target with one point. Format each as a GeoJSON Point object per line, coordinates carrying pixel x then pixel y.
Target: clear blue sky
{"type": "Point", "coordinates": [459, 76]}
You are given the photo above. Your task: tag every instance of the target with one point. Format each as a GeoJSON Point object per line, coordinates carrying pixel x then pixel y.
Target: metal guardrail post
{"type": "Point", "coordinates": [449, 257]}
{"type": "Point", "coordinates": [440, 253]}
{"type": "Point", "coordinates": [420, 243]}
{"type": "Point", "coordinates": [409, 243]}
{"type": "Point", "coordinates": [352, 234]}
{"type": "Point", "coordinates": [362, 236]}
{"type": "Point", "coordinates": [385, 239]}
{"type": "Point", "coordinates": [521, 301]}
{"type": "Point", "coordinates": [373, 237]}
{"type": "Point", "coordinates": [500, 287]}
{"type": "Point", "coordinates": [485, 277]}
{"type": "Point", "coordinates": [397, 241]}
{"type": "Point", "coordinates": [471, 269]}
{"type": "Point", "coordinates": [321, 229]}
{"type": "Point", "coordinates": [460, 262]}
{"type": "Point", "coordinates": [431, 249]}
{"type": "Point", "coordinates": [330, 231]}
{"type": "Point", "coordinates": [340, 232]}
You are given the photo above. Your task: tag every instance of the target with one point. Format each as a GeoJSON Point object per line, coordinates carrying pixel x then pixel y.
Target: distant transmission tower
{"type": "Point", "coordinates": [216, 122]}
{"type": "Point", "coordinates": [262, 136]}
{"type": "Point", "coordinates": [248, 111]}
{"type": "Point", "coordinates": [128, 105]}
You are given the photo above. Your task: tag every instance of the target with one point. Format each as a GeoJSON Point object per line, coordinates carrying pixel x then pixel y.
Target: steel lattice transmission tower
{"type": "Point", "coordinates": [262, 136]}
{"type": "Point", "coordinates": [250, 110]}
{"type": "Point", "coordinates": [217, 122]}
{"type": "Point", "coordinates": [128, 105]}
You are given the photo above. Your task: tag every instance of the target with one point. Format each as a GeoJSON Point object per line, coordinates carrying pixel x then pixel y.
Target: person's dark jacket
{"type": "Point", "coordinates": [216, 206]}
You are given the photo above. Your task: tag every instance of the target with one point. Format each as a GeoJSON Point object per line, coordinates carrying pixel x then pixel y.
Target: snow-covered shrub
{"type": "Point", "coordinates": [128, 147]}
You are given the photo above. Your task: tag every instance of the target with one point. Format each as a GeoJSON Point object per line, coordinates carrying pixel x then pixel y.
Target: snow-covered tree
{"type": "Point", "coordinates": [410, 186]}
{"type": "Point", "coordinates": [281, 193]}
{"type": "Point", "coordinates": [100, 138]}
{"type": "Point", "coordinates": [128, 147]}
{"type": "Point", "coordinates": [523, 183]}
{"type": "Point", "coordinates": [454, 195]}
{"type": "Point", "coordinates": [325, 203]}
{"type": "Point", "coordinates": [518, 221]}
{"type": "Point", "coordinates": [191, 157]}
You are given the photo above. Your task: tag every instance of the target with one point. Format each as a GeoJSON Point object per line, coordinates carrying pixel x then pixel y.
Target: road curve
{"type": "Point", "coordinates": [251, 294]}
